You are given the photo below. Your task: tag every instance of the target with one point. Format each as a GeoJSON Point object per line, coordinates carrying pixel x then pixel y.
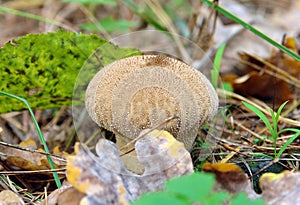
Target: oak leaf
{"type": "Point", "coordinates": [106, 180]}
{"type": "Point", "coordinates": [281, 189]}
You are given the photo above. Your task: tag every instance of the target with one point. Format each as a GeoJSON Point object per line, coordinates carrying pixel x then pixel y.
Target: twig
{"type": "Point", "coordinates": [33, 151]}
{"type": "Point", "coordinates": [59, 171]}
{"type": "Point", "coordinates": [251, 132]}
{"type": "Point", "coordinates": [165, 19]}
{"type": "Point", "coordinates": [283, 74]}
{"type": "Point", "coordinates": [234, 95]}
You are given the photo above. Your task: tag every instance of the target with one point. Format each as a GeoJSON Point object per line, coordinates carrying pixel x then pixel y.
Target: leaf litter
{"type": "Point", "coordinates": [238, 118]}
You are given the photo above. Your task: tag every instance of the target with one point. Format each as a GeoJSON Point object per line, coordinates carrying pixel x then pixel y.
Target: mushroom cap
{"type": "Point", "coordinates": [140, 92]}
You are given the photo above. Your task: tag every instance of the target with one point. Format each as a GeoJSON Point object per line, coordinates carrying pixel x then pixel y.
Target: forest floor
{"type": "Point", "coordinates": [251, 71]}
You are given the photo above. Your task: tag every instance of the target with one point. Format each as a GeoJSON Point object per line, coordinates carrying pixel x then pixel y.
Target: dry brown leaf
{"type": "Point", "coordinates": [8, 197]}
{"type": "Point", "coordinates": [21, 159]}
{"type": "Point", "coordinates": [27, 160]}
{"type": "Point", "coordinates": [106, 180]}
{"type": "Point", "coordinates": [230, 177]}
{"type": "Point", "coordinates": [284, 61]}
{"type": "Point", "coordinates": [257, 79]}
{"type": "Point", "coordinates": [65, 195]}
{"type": "Point", "coordinates": [281, 189]}
{"type": "Point", "coordinates": [261, 86]}
{"type": "Point", "coordinates": [25, 164]}
{"type": "Point", "coordinates": [29, 143]}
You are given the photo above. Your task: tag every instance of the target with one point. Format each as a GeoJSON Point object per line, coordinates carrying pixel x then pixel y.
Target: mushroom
{"type": "Point", "coordinates": [140, 92]}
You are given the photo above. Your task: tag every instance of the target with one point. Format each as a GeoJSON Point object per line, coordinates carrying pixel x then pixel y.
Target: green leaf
{"type": "Point", "coordinates": [227, 86]}
{"type": "Point", "coordinates": [260, 115]}
{"type": "Point", "coordinates": [111, 25]}
{"type": "Point", "coordinates": [107, 2]}
{"type": "Point", "coordinates": [159, 198]}
{"type": "Point", "coordinates": [202, 186]}
{"type": "Point", "coordinates": [279, 112]}
{"type": "Point", "coordinates": [43, 67]}
{"type": "Point", "coordinates": [259, 155]}
{"type": "Point", "coordinates": [274, 124]}
{"type": "Point", "coordinates": [146, 14]}
{"type": "Point", "coordinates": [174, 10]}
{"type": "Point", "coordinates": [242, 198]}
{"type": "Point", "coordinates": [217, 64]}
{"type": "Point", "coordinates": [217, 198]}
{"type": "Point", "coordinates": [29, 15]}
{"type": "Point", "coordinates": [289, 141]}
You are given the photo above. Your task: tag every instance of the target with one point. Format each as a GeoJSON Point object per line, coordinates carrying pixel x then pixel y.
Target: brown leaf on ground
{"type": "Point", "coordinates": [271, 79]}
{"type": "Point", "coordinates": [261, 86]}
{"type": "Point", "coordinates": [106, 180]}
{"type": "Point", "coordinates": [284, 61]}
{"type": "Point", "coordinates": [24, 158]}
{"type": "Point", "coordinates": [281, 189]}
{"type": "Point", "coordinates": [25, 164]}
{"type": "Point", "coordinates": [8, 197]}
{"type": "Point", "coordinates": [27, 160]}
{"type": "Point", "coordinates": [65, 195]}
{"type": "Point", "coordinates": [230, 177]}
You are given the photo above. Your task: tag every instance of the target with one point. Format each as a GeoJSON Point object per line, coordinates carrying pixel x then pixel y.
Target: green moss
{"type": "Point", "coordinates": [43, 67]}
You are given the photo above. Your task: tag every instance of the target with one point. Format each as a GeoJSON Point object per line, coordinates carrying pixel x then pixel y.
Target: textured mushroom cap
{"type": "Point", "coordinates": [139, 92]}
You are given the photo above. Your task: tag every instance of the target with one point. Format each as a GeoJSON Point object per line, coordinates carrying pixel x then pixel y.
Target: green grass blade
{"type": "Point", "coordinates": [260, 115]}
{"type": "Point", "coordinates": [259, 155]}
{"type": "Point", "coordinates": [41, 138]}
{"type": "Point", "coordinates": [253, 30]}
{"type": "Point", "coordinates": [145, 13]}
{"type": "Point", "coordinates": [287, 143]}
{"type": "Point", "coordinates": [217, 64]}
{"type": "Point", "coordinates": [275, 122]}
{"type": "Point", "coordinates": [28, 15]}
{"type": "Point", "coordinates": [280, 110]}
{"type": "Point", "coordinates": [275, 118]}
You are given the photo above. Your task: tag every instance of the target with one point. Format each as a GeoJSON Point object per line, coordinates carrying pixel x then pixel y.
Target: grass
{"type": "Point", "coordinates": [33, 16]}
{"type": "Point", "coordinates": [273, 127]}
{"type": "Point", "coordinates": [215, 72]}
{"type": "Point", "coordinates": [252, 29]}
{"type": "Point", "coordinates": [39, 132]}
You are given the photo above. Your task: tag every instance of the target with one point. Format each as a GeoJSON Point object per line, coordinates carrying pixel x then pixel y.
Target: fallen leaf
{"type": "Point", "coordinates": [281, 189]}
{"type": "Point", "coordinates": [28, 160]}
{"type": "Point", "coordinates": [8, 197]}
{"type": "Point", "coordinates": [65, 195]}
{"type": "Point", "coordinates": [230, 177]}
{"type": "Point", "coordinates": [29, 143]}
{"type": "Point", "coordinates": [106, 180]}
{"type": "Point", "coordinates": [265, 83]}
{"type": "Point", "coordinates": [284, 61]}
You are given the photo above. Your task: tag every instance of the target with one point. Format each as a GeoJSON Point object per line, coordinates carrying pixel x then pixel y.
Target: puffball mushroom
{"type": "Point", "coordinates": [140, 92]}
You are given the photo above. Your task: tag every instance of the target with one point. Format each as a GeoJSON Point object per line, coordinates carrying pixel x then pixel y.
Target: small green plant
{"type": "Point", "coordinates": [217, 64]}
{"type": "Point", "coordinates": [273, 127]}
{"type": "Point", "coordinates": [196, 188]}
{"type": "Point", "coordinates": [107, 24]}
{"type": "Point", "coordinates": [111, 25]}
{"type": "Point", "coordinates": [41, 137]}
{"type": "Point", "coordinates": [31, 16]}
{"type": "Point", "coordinates": [215, 72]}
